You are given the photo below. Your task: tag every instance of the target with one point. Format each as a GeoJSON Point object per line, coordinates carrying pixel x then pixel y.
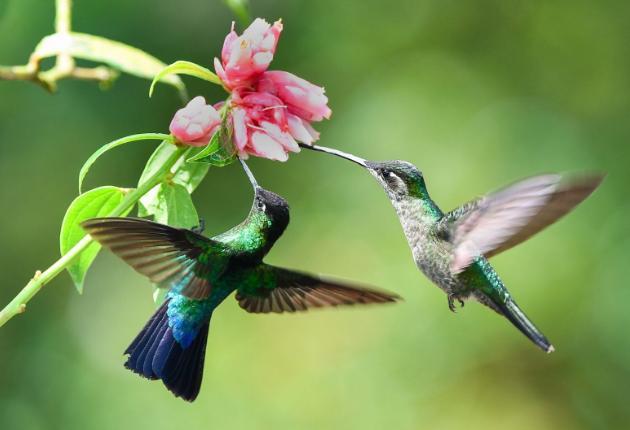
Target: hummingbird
{"type": "Point", "coordinates": [200, 272]}
{"type": "Point", "coordinates": [452, 249]}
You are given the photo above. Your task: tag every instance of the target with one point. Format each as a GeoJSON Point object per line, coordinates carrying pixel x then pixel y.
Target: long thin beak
{"type": "Point", "coordinates": [360, 161]}
{"type": "Point", "coordinates": [250, 175]}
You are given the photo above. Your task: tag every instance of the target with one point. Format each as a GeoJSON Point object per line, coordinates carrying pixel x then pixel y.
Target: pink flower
{"type": "Point", "coordinates": [195, 124]}
{"type": "Point", "coordinates": [302, 98]}
{"type": "Point", "coordinates": [261, 127]}
{"type": "Point", "coordinates": [245, 57]}
{"type": "Point", "coordinates": [269, 111]}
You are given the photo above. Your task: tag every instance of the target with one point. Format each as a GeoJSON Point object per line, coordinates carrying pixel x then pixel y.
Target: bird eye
{"type": "Point", "coordinates": [390, 176]}
{"type": "Point", "coordinates": [393, 180]}
{"type": "Point", "coordinates": [260, 205]}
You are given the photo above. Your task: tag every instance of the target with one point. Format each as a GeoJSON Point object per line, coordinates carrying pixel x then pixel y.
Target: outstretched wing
{"type": "Point", "coordinates": [508, 217]}
{"type": "Point", "coordinates": [272, 289]}
{"type": "Point", "coordinates": [170, 257]}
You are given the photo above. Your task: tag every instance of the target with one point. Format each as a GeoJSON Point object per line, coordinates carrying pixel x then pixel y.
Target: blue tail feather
{"type": "Point", "coordinates": [156, 354]}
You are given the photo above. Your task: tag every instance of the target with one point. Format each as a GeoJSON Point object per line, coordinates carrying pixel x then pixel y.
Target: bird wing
{"type": "Point", "coordinates": [170, 257]}
{"type": "Point", "coordinates": [499, 221]}
{"type": "Point", "coordinates": [273, 289]}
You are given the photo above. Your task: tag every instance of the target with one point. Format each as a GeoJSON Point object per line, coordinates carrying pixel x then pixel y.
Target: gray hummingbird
{"type": "Point", "coordinates": [452, 249]}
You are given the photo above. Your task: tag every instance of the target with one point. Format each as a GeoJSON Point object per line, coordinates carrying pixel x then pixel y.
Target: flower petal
{"type": "Point", "coordinates": [240, 128]}
{"type": "Point", "coordinates": [263, 145]}
{"type": "Point", "coordinates": [298, 130]}
{"type": "Point", "coordinates": [285, 139]}
{"type": "Point", "coordinates": [304, 99]}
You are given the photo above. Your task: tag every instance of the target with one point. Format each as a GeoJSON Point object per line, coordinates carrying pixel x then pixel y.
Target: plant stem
{"type": "Point", "coordinates": [65, 67]}
{"type": "Point", "coordinates": [240, 8]}
{"type": "Point", "coordinates": [18, 304]}
{"type": "Point", "coordinates": [63, 16]}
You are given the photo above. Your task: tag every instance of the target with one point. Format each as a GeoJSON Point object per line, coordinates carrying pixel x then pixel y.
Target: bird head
{"type": "Point", "coordinates": [272, 205]}
{"type": "Point", "coordinates": [275, 208]}
{"type": "Point", "coordinates": [398, 178]}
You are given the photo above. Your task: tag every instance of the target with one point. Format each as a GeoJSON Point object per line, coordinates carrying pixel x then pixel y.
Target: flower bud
{"type": "Point", "coordinates": [195, 123]}
{"type": "Point", "coordinates": [245, 57]}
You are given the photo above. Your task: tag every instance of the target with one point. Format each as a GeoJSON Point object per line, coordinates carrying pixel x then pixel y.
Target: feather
{"type": "Point", "coordinates": [508, 217]}
{"type": "Point", "coordinates": [156, 354]}
{"type": "Point", "coordinates": [168, 256]}
{"type": "Point", "coordinates": [281, 290]}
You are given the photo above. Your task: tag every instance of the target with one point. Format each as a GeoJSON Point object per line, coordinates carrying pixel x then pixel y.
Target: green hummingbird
{"type": "Point", "coordinates": [452, 249]}
{"type": "Point", "coordinates": [200, 272]}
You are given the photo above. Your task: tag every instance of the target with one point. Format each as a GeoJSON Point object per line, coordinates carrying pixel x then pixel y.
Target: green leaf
{"type": "Point", "coordinates": [220, 159]}
{"type": "Point", "coordinates": [148, 203]}
{"type": "Point", "coordinates": [190, 174]}
{"type": "Point", "coordinates": [185, 68]}
{"type": "Point", "coordinates": [94, 203]}
{"type": "Point", "coordinates": [240, 8]}
{"type": "Point", "coordinates": [111, 145]}
{"type": "Point", "coordinates": [220, 152]}
{"type": "Point", "coordinates": [175, 206]}
{"type": "Point", "coordinates": [186, 174]}
{"type": "Point", "coordinates": [207, 151]}
{"type": "Point", "coordinates": [99, 49]}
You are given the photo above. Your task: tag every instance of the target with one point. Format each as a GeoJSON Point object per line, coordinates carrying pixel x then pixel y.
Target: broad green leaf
{"type": "Point", "coordinates": [189, 174]}
{"type": "Point", "coordinates": [186, 174]}
{"type": "Point", "coordinates": [185, 68]}
{"type": "Point", "coordinates": [99, 49]}
{"type": "Point", "coordinates": [111, 145]}
{"type": "Point", "coordinates": [175, 206]}
{"type": "Point", "coordinates": [94, 203]}
{"type": "Point", "coordinates": [148, 203]}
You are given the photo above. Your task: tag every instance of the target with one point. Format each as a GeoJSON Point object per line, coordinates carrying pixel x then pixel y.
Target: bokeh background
{"type": "Point", "coordinates": [477, 94]}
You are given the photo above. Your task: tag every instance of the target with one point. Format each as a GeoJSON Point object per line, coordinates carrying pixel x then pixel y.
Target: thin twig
{"type": "Point", "coordinates": [63, 21]}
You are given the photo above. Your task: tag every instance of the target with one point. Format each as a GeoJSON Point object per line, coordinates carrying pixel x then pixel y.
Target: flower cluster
{"type": "Point", "coordinates": [269, 111]}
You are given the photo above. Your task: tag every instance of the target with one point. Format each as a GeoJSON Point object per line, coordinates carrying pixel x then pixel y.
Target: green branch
{"type": "Point", "coordinates": [63, 21]}
{"type": "Point", "coordinates": [67, 46]}
{"type": "Point", "coordinates": [18, 304]}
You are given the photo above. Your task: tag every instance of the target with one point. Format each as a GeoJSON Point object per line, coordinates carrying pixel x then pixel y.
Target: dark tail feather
{"type": "Point", "coordinates": [155, 354]}
{"type": "Point", "coordinates": [516, 316]}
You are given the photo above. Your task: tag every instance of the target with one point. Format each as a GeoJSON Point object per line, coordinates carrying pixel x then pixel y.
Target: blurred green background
{"type": "Point", "coordinates": [477, 94]}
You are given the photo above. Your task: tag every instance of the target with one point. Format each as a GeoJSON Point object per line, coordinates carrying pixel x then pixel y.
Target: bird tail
{"type": "Point", "coordinates": [517, 317]}
{"type": "Point", "coordinates": [155, 354]}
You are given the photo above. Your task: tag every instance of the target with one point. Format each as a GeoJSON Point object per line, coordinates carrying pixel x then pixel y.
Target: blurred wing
{"type": "Point", "coordinates": [170, 257]}
{"type": "Point", "coordinates": [280, 290]}
{"type": "Point", "coordinates": [510, 216]}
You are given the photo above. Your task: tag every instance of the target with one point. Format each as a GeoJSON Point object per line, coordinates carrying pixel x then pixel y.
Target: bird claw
{"type": "Point", "coordinates": [451, 302]}
{"type": "Point", "coordinates": [200, 228]}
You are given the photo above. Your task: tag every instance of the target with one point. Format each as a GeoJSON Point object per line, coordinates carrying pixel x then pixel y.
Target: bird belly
{"type": "Point", "coordinates": [433, 260]}
{"type": "Point", "coordinates": [478, 281]}
{"type": "Point", "coordinates": [186, 316]}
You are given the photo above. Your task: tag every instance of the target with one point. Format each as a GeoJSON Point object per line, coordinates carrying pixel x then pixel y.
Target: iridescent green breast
{"type": "Point", "coordinates": [248, 237]}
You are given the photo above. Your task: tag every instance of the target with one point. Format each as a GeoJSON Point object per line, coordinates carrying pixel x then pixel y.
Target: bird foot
{"type": "Point", "coordinates": [200, 228]}
{"type": "Point", "coordinates": [451, 302]}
